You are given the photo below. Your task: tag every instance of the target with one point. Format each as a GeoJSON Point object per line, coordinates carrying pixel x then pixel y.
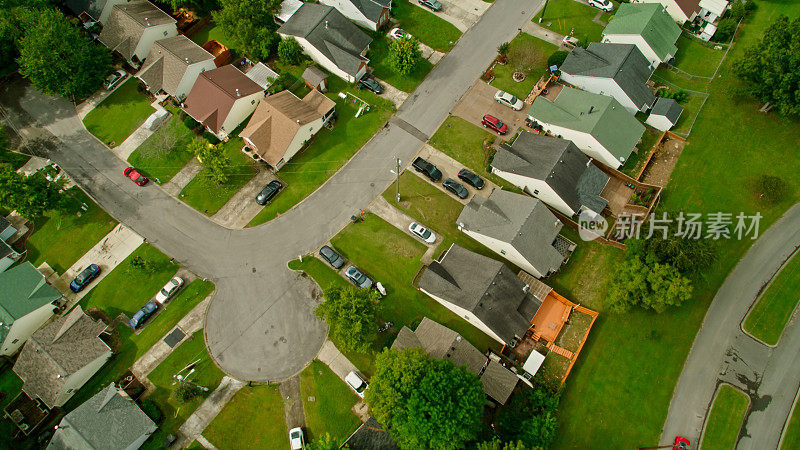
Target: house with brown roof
{"type": "Point", "coordinates": [60, 358]}
{"type": "Point", "coordinates": [282, 123]}
{"type": "Point", "coordinates": [680, 10]}
{"type": "Point", "coordinates": [173, 65]}
{"type": "Point", "coordinates": [221, 99]}
{"type": "Point", "coordinates": [132, 29]}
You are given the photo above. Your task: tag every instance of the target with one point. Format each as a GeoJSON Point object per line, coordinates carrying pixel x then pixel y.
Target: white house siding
{"type": "Point", "coordinates": [604, 86]}
{"type": "Point", "coordinates": [190, 76]}
{"type": "Point", "coordinates": [505, 250]}
{"type": "Point", "coordinates": [672, 8]}
{"type": "Point", "coordinates": [242, 108]}
{"type": "Point", "coordinates": [660, 123]}
{"type": "Point", "coordinates": [320, 59]}
{"type": "Point", "coordinates": [537, 188]}
{"type": "Point", "coordinates": [640, 43]}
{"type": "Point", "coordinates": [303, 134]}
{"type": "Point", "coordinates": [351, 12]}
{"type": "Point", "coordinates": [107, 9]}
{"type": "Point", "coordinates": [24, 327]}
{"type": "Point", "coordinates": [151, 35]}
{"type": "Point", "coordinates": [584, 141]}
{"type": "Point", "coordinates": [79, 378]}
{"type": "Point", "coordinates": [466, 315]}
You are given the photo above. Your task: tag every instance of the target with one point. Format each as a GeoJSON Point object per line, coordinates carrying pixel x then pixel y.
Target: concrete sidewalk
{"type": "Point", "coordinates": [542, 33]}
{"type": "Point", "coordinates": [175, 185]}
{"type": "Point", "coordinates": [392, 93]}
{"type": "Point", "coordinates": [203, 415]}
{"type": "Point", "coordinates": [141, 134]}
{"type": "Point", "coordinates": [333, 358]}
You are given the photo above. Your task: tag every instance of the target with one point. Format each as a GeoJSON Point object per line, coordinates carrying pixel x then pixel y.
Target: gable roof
{"type": "Point", "coordinates": [314, 75]}
{"type": "Point", "coordinates": [330, 33]}
{"type": "Point", "coordinates": [57, 351]}
{"type": "Point", "coordinates": [261, 73]}
{"type": "Point", "coordinates": [5, 250]}
{"type": "Point", "coordinates": [649, 20]}
{"type": "Point", "coordinates": [599, 115]}
{"type": "Point", "coordinates": [214, 93]}
{"type": "Point", "coordinates": [92, 7]}
{"type": "Point", "coordinates": [23, 290]}
{"type": "Point", "coordinates": [483, 286]}
{"type": "Point", "coordinates": [688, 7]}
{"type": "Point", "coordinates": [623, 63]}
{"type": "Point", "coordinates": [371, 9]}
{"type": "Point", "coordinates": [668, 108]}
{"type": "Point", "coordinates": [167, 62]}
{"type": "Point", "coordinates": [110, 419]}
{"type": "Point", "coordinates": [371, 436]}
{"type": "Point", "coordinates": [126, 24]}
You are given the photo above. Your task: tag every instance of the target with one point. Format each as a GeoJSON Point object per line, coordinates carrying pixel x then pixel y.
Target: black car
{"type": "Point", "coordinates": [334, 259]}
{"type": "Point", "coordinates": [471, 179]}
{"type": "Point", "coordinates": [369, 83]}
{"type": "Point", "coordinates": [456, 188]}
{"type": "Point", "coordinates": [425, 167]}
{"type": "Point", "coordinates": [84, 278]}
{"type": "Point", "coordinates": [269, 192]}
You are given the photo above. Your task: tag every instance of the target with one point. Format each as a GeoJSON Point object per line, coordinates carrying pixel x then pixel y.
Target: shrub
{"type": "Point", "coordinates": [404, 55]}
{"type": "Point", "coordinates": [289, 51]}
{"type": "Point", "coordinates": [152, 410]}
{"type": "Point", "coordinates": [488, 75]}
{"type": "Point", "coordinates": [679, 96]}
{"type": "Point", "coordinates": [190, 122]}
{"type": "Point", "coordinates": [557, 58]}
{"type": "Point", "coordinates": [771, 189]}
{"type": "Point", "coordinates": [725, 29]}
{"type": "Point", "coordinates": [278, 84]}
{"type": "Point", "coordinates": [186, 392]}
{"type": "Point", "coordinates": [210, 138]}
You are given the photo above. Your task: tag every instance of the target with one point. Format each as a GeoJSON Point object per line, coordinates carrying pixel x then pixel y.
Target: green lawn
{"type": "Point", "coordinates": [254, 418]}
{"type": "Point", "coordinates": [205, 195]}
{"type": "Point", "coordinates": [10, 386]}
{"type": "Point", "coordinates": [426, 26]}
{"type": "Point", "coordinates": [328, 152]}
{"type": "Point", "coordinates": [330, 412]}
{"type": "Point", "coordinates": [725, 419]}
{"type": "Point", "coordinates": [211, 33]}
{"type": "Point", "coordinates": [526, 53]}
{"type": "Point", "coordinates": [381, 68]}
{"type": "Point", "coordinates": [61, 238]}
{"type": "Point", "coordinates": [791, 437]}
{"type": "Point", "coordinates": [120, 114]}
{"type": "Point", "coordinates": [567, 15]}
{"type": "Point", "coordinates": [158, 165]}
{"type": "Point", "coordinates": [320, 271]}
{"type": "Point", "coordinates": [773, 310]}
{"type": "Point", "coordinates": [697, 58]}
{"type": "Point", "coordinates": [691, 108]}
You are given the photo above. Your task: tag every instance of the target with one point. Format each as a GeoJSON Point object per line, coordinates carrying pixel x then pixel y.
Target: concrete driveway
{"type": "Point", "coordinates": [463, 14]}
{"type": "Point", "coordinates": [450, 168]}
{"type": "Point", "coordinates": [242, 207]}
{"type": "Point", "coordinates": [479, 101]}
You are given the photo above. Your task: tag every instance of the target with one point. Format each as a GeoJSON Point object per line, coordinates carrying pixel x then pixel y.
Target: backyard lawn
{"type": "Point", "coordinates": [211, 32]}
{"type": "Point", "coordinates": [725, 419]}
{"type": "Point", "coordinates": [426, 26]}
{"type": "Point", "coordinates": [382, 68]}
{"type": "Point", "coordinates": [526, 53]}
{"type": "Point", "coordinates": [791, 437]}
{"type": "Point", "coordinates": [773, 310]}
{"type": "Point", "coordinates": [697, 58]}
{"type": "Point", "coordinates": [61, 238]}
{"type": "Point", "coordinates": [119, 114]}
{"type": "Point", "coordinates": [254, 418]}
{"type": "Point", "coordinates": [564, 16]}
{"type": "Point", "coordinates": [330, 412]}
{"type": "Point", "coordinates": [158, 164]}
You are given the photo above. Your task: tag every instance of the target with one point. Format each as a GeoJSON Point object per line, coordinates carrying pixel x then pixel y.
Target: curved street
{"type": "Point", "coordinates": [260, 325]}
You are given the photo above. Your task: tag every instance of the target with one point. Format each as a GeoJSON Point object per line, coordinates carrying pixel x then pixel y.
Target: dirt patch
{"type": "Point", "coordinates": [659, 169]}
{"type": "Point", "coordinates": [574, 330]}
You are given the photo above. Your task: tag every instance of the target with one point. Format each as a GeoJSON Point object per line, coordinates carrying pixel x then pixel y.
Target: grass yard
{"type": "Point", "coordinates": [426, 26]}
{"type": "Point", "coordinates": [770, 315]}
{"type": "Point", "coordinates": [211, 32]}
{"type": "Point", "coordinates": [61, 238]}
{"type": "Point", "coordinates": [157, 164]}
{"type": "Point", "coordinates": [725, 419]}
{"type": "Point", "coordinates": [205, 195]}
{"type": "Point", "coordinates": [330, 412]}
{"type": "Point", "coordinates": [697, 58]}
{"type": "Point", "coordinates": [381, 68]}
{"type": "Point", "coordinates": [525, 52]}
{"type": "Point", "coordinates": [10, 386]}
{"type": "Point", "coordinates": [119, 114]}
{"type": "Point", "coordinates": [564, 16]}
{"type": "Point", "coordinates": [791, 436]}
{"type": "Point", "coordinates": [253, 418]}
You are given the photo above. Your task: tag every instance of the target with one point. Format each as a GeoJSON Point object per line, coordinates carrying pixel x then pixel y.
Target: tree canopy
{"type": "Point", "coordinates": [653, 287]}
{"type": "Point", "coordinates": [531, 418]}
{"type": "Point", "coordinates": [404, 55]}
{"type": "Point", "coordinates": [215, 161]}
{"type": "Point", "coordinates": [289, 51]}
{"type": "Point", "coordinates": [31, 195]}
{"type": "Point", "coordinates": [351, 316]}
{"type": "Point", "coordinates": [250, 25]}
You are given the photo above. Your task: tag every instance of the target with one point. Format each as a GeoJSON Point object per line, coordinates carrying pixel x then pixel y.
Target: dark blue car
{"type": "Point", "coordinates": [84, 278]}
{"type": "Point", "coordinates": [139, 318]}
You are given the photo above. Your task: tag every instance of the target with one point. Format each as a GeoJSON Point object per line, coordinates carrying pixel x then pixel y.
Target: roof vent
{"type": "Point", "coordinates": [187, 60]}
{"type": "Point", "coordinates": [458, 338]}
{"type": "Point", "coordinates": [237, 93]}
{"type": "Point", "coordinates": [147, 21]}
{"type": "Point", "coordinates": [588, 162]}
{"type": "Point", "coordinates": [326, 24]}
{"type": "Point", "coordinates": [526, 288]}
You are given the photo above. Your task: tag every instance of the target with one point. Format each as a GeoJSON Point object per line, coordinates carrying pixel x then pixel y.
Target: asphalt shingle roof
{"type": "Point", "coordinates": [126, 24]}
{"type": "Point", "coordinates": [649, 20]}
{"type": "Point", "coordinates": [168, 61]}
{"type": "Point", "coordinates": [214, 93]}
{"type": "Point", "coordinates": [371, 436]}
{"type": "Point", "coordinates": [23, 290]}
{"type": "Point", "coordinates": [261, 73]}
{"type": "Point", "coordinates": [668, 108]}
{"type": "Point", "coordinates": [92, 7]}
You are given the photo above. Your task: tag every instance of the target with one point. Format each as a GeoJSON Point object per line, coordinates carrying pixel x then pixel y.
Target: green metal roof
{"type": "Point", "coordinates": [599, 115]}
{"type": "Point", "coordinates": [23, 290]}
{"type": "Point", "coordinates": [651, 21]}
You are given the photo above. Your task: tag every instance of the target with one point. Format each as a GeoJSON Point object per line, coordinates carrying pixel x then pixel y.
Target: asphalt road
{"type": "Point", "coordinates": [723, 353]}
{"type": "Point", "coordinates": [260, 325]}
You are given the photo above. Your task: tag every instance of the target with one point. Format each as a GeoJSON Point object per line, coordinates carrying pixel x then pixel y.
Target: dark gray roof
{"type": "Point", "coordinates": [4, 223]}
{"type": "Point", "coordinates": [314, 75]}
{"type": "Point", "coordinates": [498, 382]}
{"type": "Point", "coordinates": [108, 420]}
{"type": "Point", "coordinates": [5, 249]}
{"type": "Point", "coordinates": [126, 24]}
{"type": "Point", "coordinates": [371, 436]}
{"type": "Point", "coordinates": [666, 107]}
{"type": "Point", "coordinates": [624, 63]}
{"type": "Point", "coordinates": [371, 8]}
{"type": "Point", "coordinates": [524, 222]}
{"type": "Point", "coordinates": [92, 7]}
{"type": "Point", "coordinates": [590, 185]}
{"type": "Point", "coordinates": [481, 285]}
{"type": "Point", "coordinates": [330, 33]}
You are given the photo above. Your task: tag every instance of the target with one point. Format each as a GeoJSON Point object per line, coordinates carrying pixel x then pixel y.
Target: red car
{"type": "Point", "coordinates": [681, 443]}
{"type": "Point", "coordinates": [495, 124]}
{"type": "Point", "coordinates": [135, 176]}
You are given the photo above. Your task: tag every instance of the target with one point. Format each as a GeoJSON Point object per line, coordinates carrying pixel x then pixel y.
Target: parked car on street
{"type": "Point", "coordinates": [456, 188]}
{"type": "Point", "coordinates": [114, 79]}
{"type": "Point", "coordinates": [504, 98]}
{"type": "Point", "coordinates": [434, 5]}
{"type": "Point", "coordinates": [84, 278]}
{"type": "Point", "coordinates": [135, 176]}
{"type": "Point", "coordinates": [398, 33]}
{"type": "Point", "coordinates": [169, 289]}
{"type": "Point", "coordinates": [681, 443]}
{"type": "Point", "coordinates": [422, 232]}
{"type": "Point", "coordinates": [603, 5]}
{"type": "Point", "coordinates": [369, 83]}
{"type": "Point", "coordinates": [296, 439]}
{"type": "Point", "coordinates": [425, 167]}
{"type": "Point", "coordinates": [334, 259]}
{"type": "Point", "coordinates": [356, 383]}
{"type": "Point", "coordinates": [471, 179]}
{"type": "Point", "coordinates": [143, 314]}
{"type": "Point", "coordinates": [493, 123]}
{"type": "Point", "coordinates": [269, 192]}
{"type": "Point", "coordinates": [358, 278]}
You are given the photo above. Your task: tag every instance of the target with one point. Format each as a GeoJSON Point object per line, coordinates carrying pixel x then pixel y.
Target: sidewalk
{"type": "Point", "coordinates": [430, 54]}
{"type": "Point", "coordinates": [141, 134]}
{"type": "Point", "coordinates": [542, 33]}
{"type": "Point", "coordinates": [174, 186]}
{"type": "Point", "coordinates": [199, 420]}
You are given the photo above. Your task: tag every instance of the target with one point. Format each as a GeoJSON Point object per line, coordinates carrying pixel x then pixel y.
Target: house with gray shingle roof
{"type": "Point", "coordinates": [370, 436]}
{"type": "Point", "coordinates": [133, 27]}
{"type": "Point", "coordinates": [61, 357]}
{"type": "Point", "coordinates": [618, 70]}
{"type": "Point", "coordinates": [108, 420]}
{"type": "Point", "coordinates": [27, 301]}
{"type": "Point", "coordinates": [98, 10]}
{"type": "Point", "coordinates": [520, 228]}
{"type": "Point", "coordinates": [665, 114]}
{"type": "Point", "coordinates": [329, 39]}
{"type": "Point", "coordinates": [173, 65]}
{"type": "Point", "coordinates": [370, 14]}
{"type": "Point", "coordinates": [648, 26]}
{"type": "Point", "coordinates": [553, 170]}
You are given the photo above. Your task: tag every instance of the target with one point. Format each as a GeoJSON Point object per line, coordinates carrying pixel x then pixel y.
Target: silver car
{"type": "Point", "coordinates": [509, 100]}
{"type": "Point", "coordinates": [358, 278]}
{"type": "Point", "coordinates": [422, 232]}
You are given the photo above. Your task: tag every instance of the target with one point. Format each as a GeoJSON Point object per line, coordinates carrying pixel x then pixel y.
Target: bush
{"type": "Point", "coordinates": [283, 81]}
{"type": "Point", "coordinates": [557, 58]}
{"type": "Point", "coordinates": [488, 75]}
{"type": "Point", "coordinates": [725, 29]}
{"type": "Point", "coordinates": [679, 96]}
{"type": "Point", "coordinates": [186, 392]}
{"type": "Point", "coordinates": [190, 122]}
{"type": "Point", "coordinates": [210, 138]}
{"type": "Point", "coordinates": [740, 10]}
{"type": "Point", "coordinates": [152, 410]}
{"type": "Point", "coordinates": [289, 51]}
{"type": "Point", "coordinates": [771, 189]}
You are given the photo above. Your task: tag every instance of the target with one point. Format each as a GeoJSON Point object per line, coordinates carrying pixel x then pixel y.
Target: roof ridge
{"type": "Point", "coordinates": [321, 18]}
{"type": "Point", "coordinates": [48, 356]}
{"type": "Point", "coordinates": [76, 430]}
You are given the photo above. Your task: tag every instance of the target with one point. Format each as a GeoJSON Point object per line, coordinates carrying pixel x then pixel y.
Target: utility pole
{"type": "Point", "coordinates": [397, 183]}
{"type": "Point", "coordinates": [543, 9]}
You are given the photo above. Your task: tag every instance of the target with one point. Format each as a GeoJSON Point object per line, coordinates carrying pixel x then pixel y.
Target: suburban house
{"type": "Point", "coordinates": [441, 342]}
{"type": "Point", "coordinates": [370, 436]}
{"type": "Point", "coordinates": [665, 114]}
{"type": "Point", "coordinates": [520, 228]}
{"type": "Point", "coordinates": [134, 27]}
{"type": "Point", "coordinates": [27, 301]}
{"type": "Point", "coordinates": [8, 256]}
{"type": "Point", "coordinates": [282, 124]}
{"type": "Point", "coordinates": [58, 359]}
{"type": "Point", "coordinates": [370, 14]}
{"type": "Point", "coordinates": [680, 10]}
{"type": "Point", "coordinates": [173, 65]}
{"type": "Point", "coordinates": [553, 170]}
{"type": "Point", "coordinates": [618, 70]}
{"type": "Point", "coordinates": [221, 99]}
{"type": "Point", "coordinates": [597, 124]}
{"type": "Point", "coordinates": [97, 10]}
{"type": "Point", "coordinates": [329, 39]}
{"type": "Point", "coordinates": [649, 27]}
{"type": "Point", "coordinates": [108, 420]}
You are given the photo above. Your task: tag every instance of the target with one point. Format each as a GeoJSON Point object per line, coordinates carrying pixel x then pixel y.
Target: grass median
{"type": "Point", "coordinates": [773, 310]}
{"type": "Point", "coordinates": [725, 419]}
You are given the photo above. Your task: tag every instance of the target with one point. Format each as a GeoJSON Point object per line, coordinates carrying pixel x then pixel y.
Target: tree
{"type": "Point", "coordinates": [250, 26]}
{"type": "Point", "coordinates": [502, 52]}
{"type": "Point", "coordinates": [215, 161]}
{"type": "Point", "coordinates": [283, 81]}
{"type": "Point", "coordinates": [351, 315]}
{"type": "Point", "coordinates": [31, 196]}
{"type": "Point", "coordinates": [325, 442]}
{"type": "Point", "coordinates": [557, 58]}
{"type": "Point", "coordinates": [770, 68]}
{"type": "Point", "coordinates": [290, 52]}
{"type": "Point", "coordinates": [689, 255]}
{"type": "Point", "coordinates": [57, 58]}
{"type": "Point", "coordinates": [202, 7]}
{"type": "Point", "coordinates": [496, 444]}
{"type": "Point", "coordinates": [725, 29]}
{"type": "Point", "coordinates": [186, 392]}
{"type": "Point", "coordinates": [653, 287]}
{"type": "Point", "coordinates": [144, 265]}
{"type": "Point", "coordinates": [163, 141]}
{"type": "Point", "coordinates": [424, 402]}
{"type": "Point", "coordinates": [405, 55]}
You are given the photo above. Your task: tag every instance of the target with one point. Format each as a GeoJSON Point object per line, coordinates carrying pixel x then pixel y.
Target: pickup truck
{"type": "Point", "coordinates": [430, 171]}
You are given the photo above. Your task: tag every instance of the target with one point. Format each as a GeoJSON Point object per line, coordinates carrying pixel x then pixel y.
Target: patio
{"type": "Point", "coordinates": [26, 413]}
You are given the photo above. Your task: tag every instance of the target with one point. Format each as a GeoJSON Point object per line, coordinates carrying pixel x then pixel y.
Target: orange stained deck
{"type": "Point", "coordinates": [551, 317]}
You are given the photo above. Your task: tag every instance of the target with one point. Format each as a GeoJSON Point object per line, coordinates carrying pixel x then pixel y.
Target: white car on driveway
{"type": "Point", "coordinates": [356, 383]}
{"type": "Point", "coordinates": [169, 289]}
{"type": "Point", "coordinates": [296, 439]}
{"type": "Point", "coordinates": [398, 33]}
{"type": "Point", "coordinates": [603, 5]}
{"type": "Point", "coordinates": [509, 100]}
{"type": "Point", "coordinates": [422, 232]}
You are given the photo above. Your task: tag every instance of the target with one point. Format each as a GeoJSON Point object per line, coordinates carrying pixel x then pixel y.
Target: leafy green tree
{"type": "Point", "coordinates": [351, 315]}
{"type": "Point", "coordinates": [688, 255]}
{"type": "Point", "coordinates": [201, 7]}
{"type": "Point", "coordinates": [31, 196]}
{"type": "Point", "coordinates": [725, 29]}
{"type": "Point", "coordinates": [186, 392]}
{"type": "Point", "coordinates": [405, 55]}
{"type": "Point", "coordinates": [215, 161]}
{"type": "Point", "coordinates": [771, 68]}
{"type": "Point", "coordinates": [557, 58]}
{"type": "Point", "coordinates": [531, 418]}
{"type": "Point", "coordinates": [283, 81]}
{"type": "Point", "coordinates": [289, 51]}
{"type": "Point", "coordinates": [496, 444]}
{"type": "Point", "coordinates": [250, 25]}
{"type": "Point", "coordinates": [651, 287]}
{"type": "Point", "coordinates": [324, 442]}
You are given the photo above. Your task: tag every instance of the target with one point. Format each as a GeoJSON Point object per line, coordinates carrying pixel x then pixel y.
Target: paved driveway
{"type": "Point", "coordinates": [242, 207]}
{"type": "Point", "coordinates": [450, 168]}
{"type": "Point", "coordinates": [461, 13]}
{"type": "Point", "coordinates": [479, 101]}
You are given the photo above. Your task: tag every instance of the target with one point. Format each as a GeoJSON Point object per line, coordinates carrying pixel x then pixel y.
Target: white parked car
{"type": "Point", "coordinates": [169, 289]}
{"type": "Point", "coordinates": [114, 79]}
{"type": "Point", "coordinates": [509, 100]}
{"type": "Point", "coordinates": [356, 383]}
{"type": "Point", "coordinates": [296, 439]}
{"type": "Point", "coordinates": [422, 232]}
{"type": "Point", "coordinates": [604, 5]}
{"type": "Point", "coordinates": [398, 33]}
{"type": "Point", "coordinates": [570, 41]}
